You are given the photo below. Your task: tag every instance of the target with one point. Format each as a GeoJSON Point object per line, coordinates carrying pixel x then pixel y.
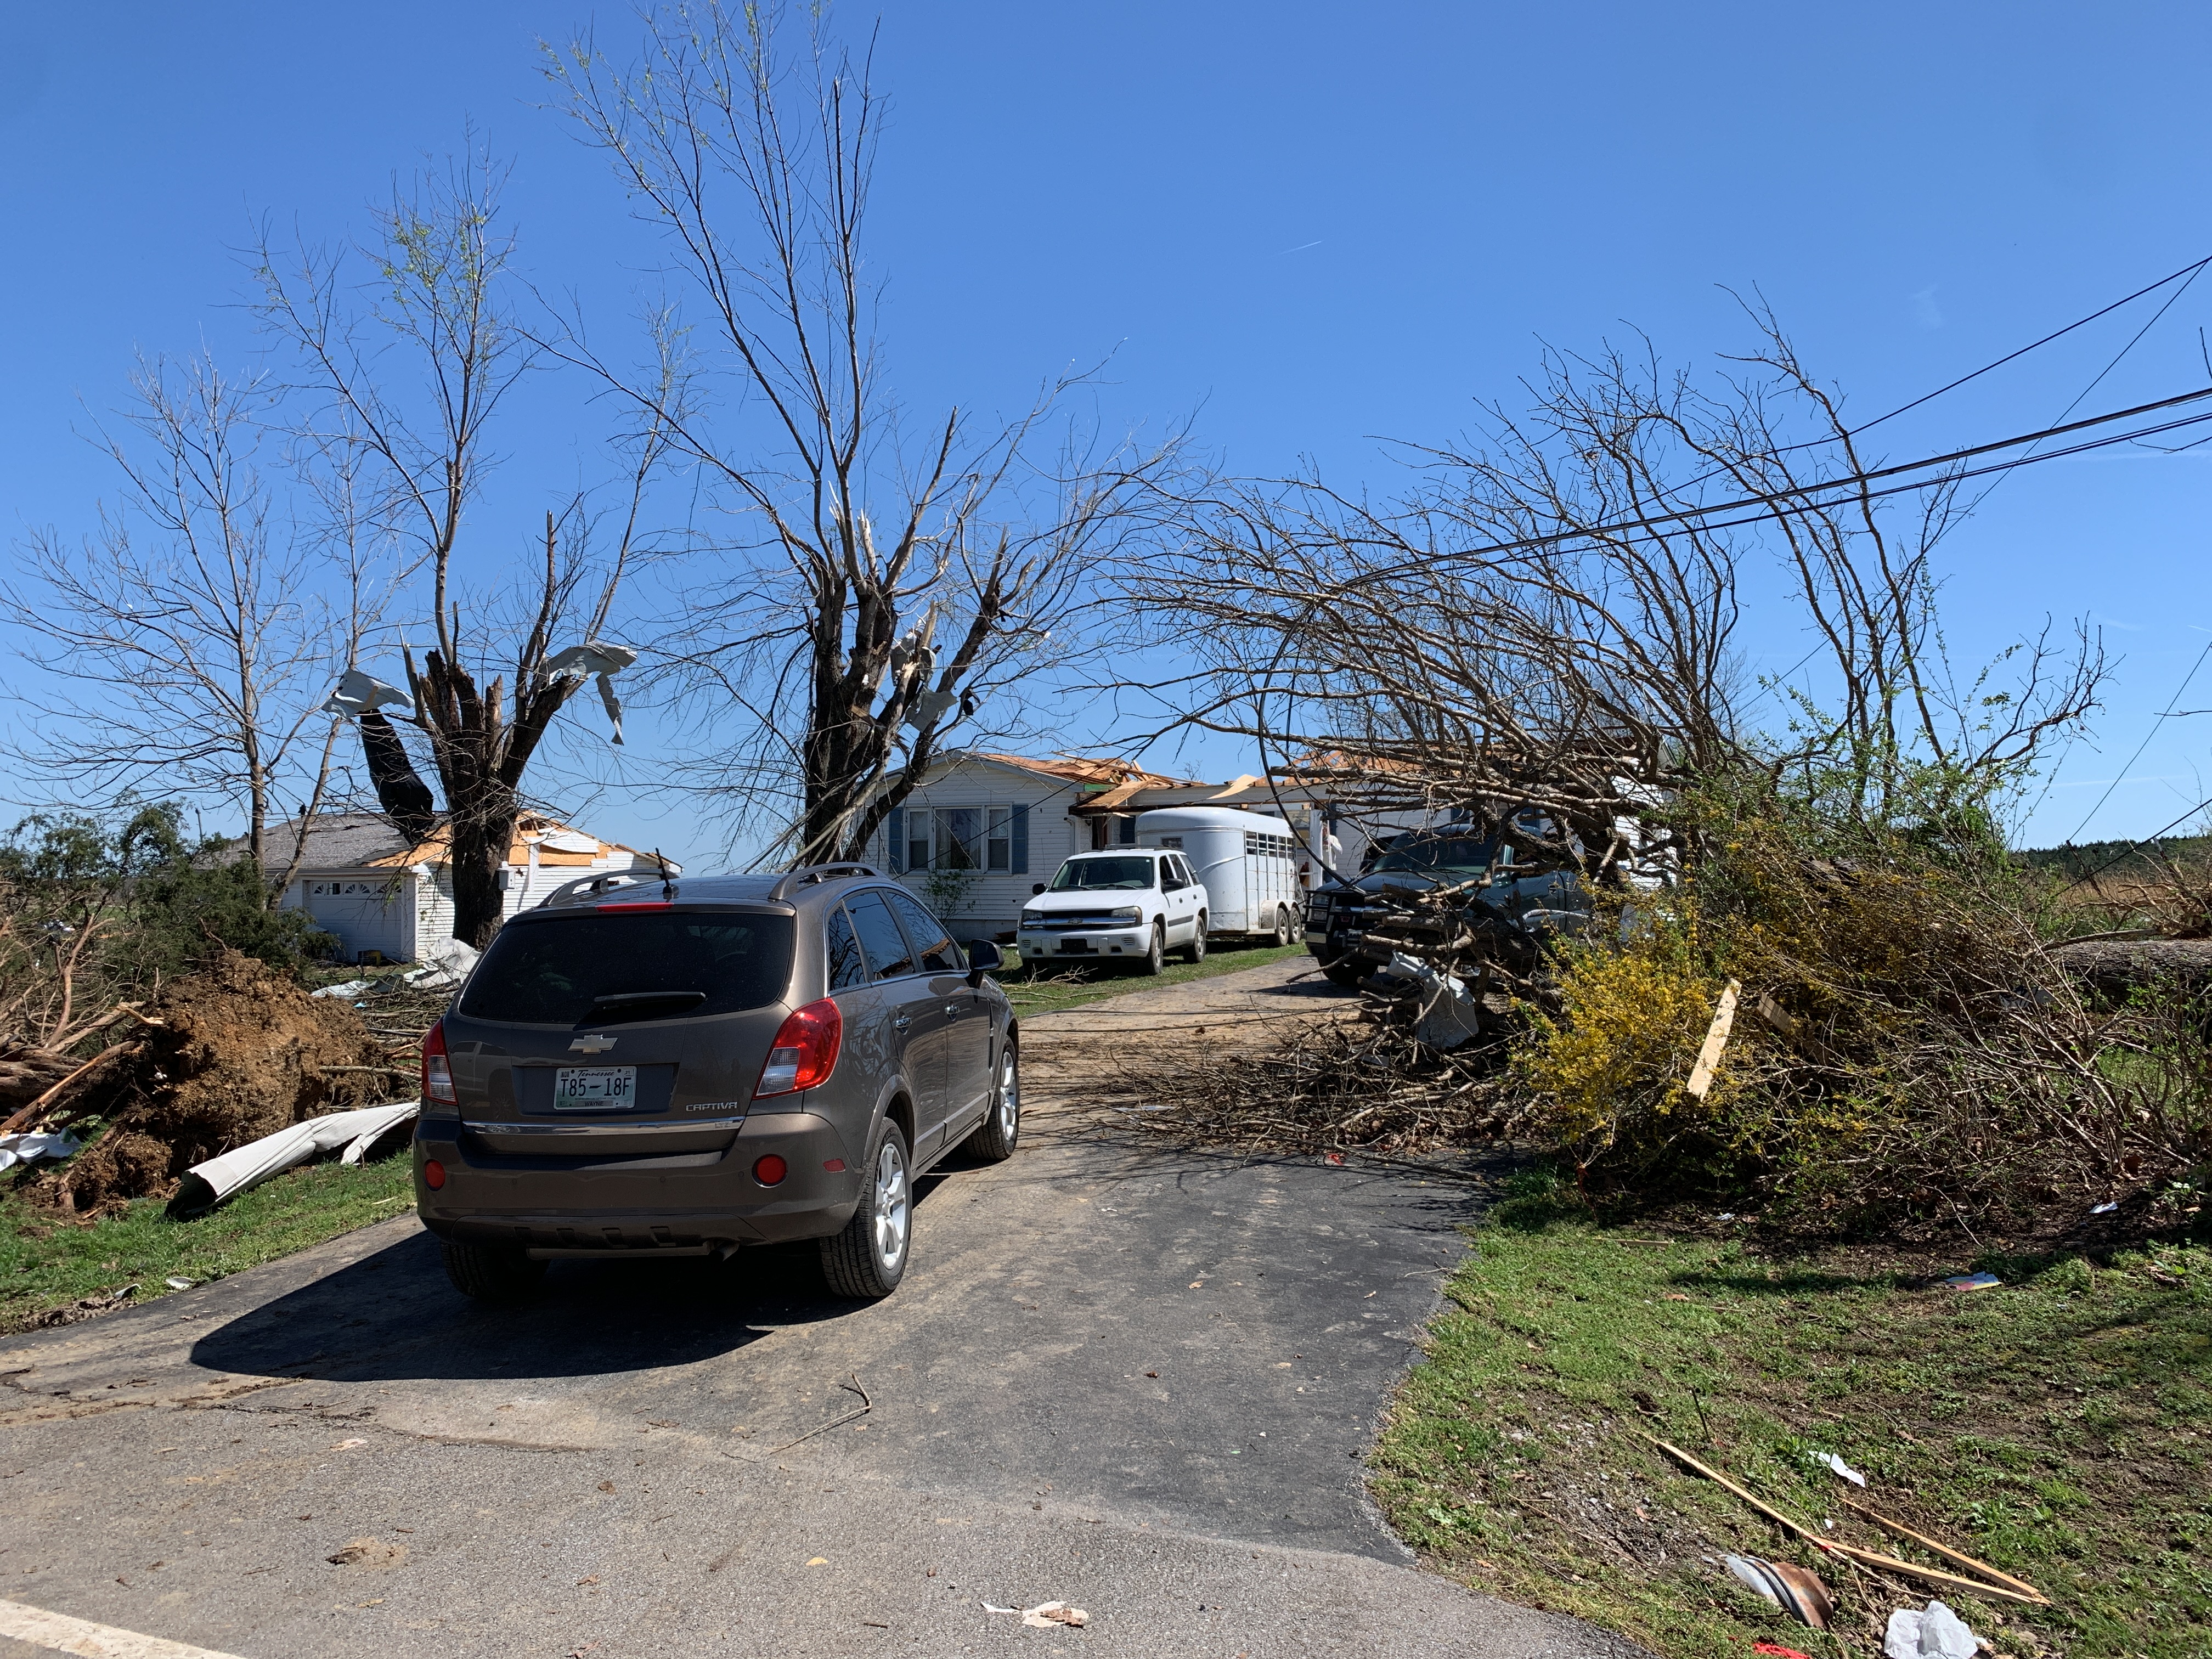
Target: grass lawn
{"type": "Point", "coordinates": [2057, 1427]}
{"type": "Point", "coordinates": [1045, 990]}
{"type": "Point", "coordinates": [44, 1265]}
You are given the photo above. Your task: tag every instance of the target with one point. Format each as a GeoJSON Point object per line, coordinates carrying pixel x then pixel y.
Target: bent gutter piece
{"type": "Point", "coordinates": [206, 1185]}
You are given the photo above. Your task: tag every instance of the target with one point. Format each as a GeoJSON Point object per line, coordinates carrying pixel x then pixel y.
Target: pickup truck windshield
{"type": "Point", "coordinates": [1447, 853]}
{"type": "Point", "coordinates": [600, 969]}
{"type": "Point", "coordinates": [1128, 875]}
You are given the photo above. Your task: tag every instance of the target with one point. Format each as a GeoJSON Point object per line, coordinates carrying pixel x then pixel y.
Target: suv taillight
{"type": "Point", "coordinates": [437, 1069]}
{"type": "Point", "coordinates": [805, 1050]}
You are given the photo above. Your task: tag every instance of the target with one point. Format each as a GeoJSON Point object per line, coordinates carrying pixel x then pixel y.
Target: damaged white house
{"type": "Point", "coordinates": [384, 898]}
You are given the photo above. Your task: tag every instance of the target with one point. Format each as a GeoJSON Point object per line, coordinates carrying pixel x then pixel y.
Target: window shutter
{"type": "Point", "coordinates": [1019, 833]}
{"type": "Point", "coordinates": [895, 847]}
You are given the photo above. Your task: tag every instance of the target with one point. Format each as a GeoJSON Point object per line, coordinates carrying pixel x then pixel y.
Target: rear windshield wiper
{"type": "Point", "coordinates": [635, 998]}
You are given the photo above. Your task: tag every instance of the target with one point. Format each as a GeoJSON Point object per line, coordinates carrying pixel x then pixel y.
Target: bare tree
{"type": "Point", "coordinates": [182, 645]}
{"type": "Point", "coordinates": [442, 275]}
{"type": "Point", "coordinates": [891, 592]}
{"type": "Point", "coordinates": [1550, 615]}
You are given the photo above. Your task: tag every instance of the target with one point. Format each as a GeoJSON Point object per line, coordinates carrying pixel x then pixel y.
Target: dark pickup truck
{"type": "Point", "coordinates": [1339, 913]}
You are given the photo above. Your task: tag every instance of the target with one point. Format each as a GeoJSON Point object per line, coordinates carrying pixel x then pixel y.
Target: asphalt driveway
{"type": "Point", "coordinates": [1138, 1382]}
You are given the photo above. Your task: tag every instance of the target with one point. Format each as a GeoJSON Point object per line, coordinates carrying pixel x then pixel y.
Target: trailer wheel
{"type": "Point", "coordinates": [1282, 925]}
{"type": "Point", "coordinates": [1195, 951]}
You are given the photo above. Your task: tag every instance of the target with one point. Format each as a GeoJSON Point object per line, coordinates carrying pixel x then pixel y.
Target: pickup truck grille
{"type": "Point", "coordinates": [1063, 921]}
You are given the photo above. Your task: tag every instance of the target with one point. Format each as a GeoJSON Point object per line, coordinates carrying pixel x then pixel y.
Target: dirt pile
{"type": "Point", "coordinates": [225, 1056]}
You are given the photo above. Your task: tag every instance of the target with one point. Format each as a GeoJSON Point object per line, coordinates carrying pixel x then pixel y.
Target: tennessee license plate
{"type": "Point", "coordinates": [593, 1088]}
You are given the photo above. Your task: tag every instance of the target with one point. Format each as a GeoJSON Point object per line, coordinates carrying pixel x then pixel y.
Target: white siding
{"type": "Point", "coordinates": [983, 903]}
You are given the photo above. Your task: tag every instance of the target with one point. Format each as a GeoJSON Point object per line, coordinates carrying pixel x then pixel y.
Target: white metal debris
{"type": "Point", "coordinates": [206, 1185]}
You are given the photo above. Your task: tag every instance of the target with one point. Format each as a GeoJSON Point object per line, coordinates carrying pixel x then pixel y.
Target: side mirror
{"type": "Point", "coordinates": [1035, 887]}
{"type": "Point", "coordinates": [983, 958]}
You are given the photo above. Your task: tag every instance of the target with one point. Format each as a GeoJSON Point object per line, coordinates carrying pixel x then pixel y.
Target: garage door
{"type": "Point", "coordinates": [366, 915]}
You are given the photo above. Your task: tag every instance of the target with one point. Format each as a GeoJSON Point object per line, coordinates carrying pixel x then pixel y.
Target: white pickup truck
{"type": "Point", "coordinates": [1134, 906]}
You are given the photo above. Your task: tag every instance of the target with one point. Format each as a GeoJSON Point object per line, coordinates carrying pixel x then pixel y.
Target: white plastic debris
{"type": "Point", "coordinates": [600, 658]}
{"type": "Point", "coordinates": [29, 1148]}
{"type": "Point", "coordinates": [1829, 1460]}
{"type": "Point", "coordinates": [206, 1185]}
{"type": "Point", "coordinates": [357, 693]}
{"type": "Point", "coordinates": [2105, 1208]}
{"type": "Point", "coordinates": [1047, 1615]}
{"type": "Point", "coordinates": [1449, 1016]}
{"type": "Point", "coordinates": [178, 1284]}
{"type": "Point", "coordinates": [1934, 1632]}
{"type": "Point", "coordinates": [352, 987]}
{"type": "Point", "coordinates": [445, 964]}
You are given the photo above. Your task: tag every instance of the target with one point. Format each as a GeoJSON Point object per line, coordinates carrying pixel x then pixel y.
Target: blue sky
{"type": "Point", "coordinates": [1308, 228]}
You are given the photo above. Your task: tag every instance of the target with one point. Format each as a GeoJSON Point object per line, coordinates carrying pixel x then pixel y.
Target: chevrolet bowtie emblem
{"type": "Point", "coordinates": [590, 1045]}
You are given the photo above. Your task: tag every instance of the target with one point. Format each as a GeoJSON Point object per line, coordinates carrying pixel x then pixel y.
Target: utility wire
{"type": "Point", "coordinates": [2156, 835]}
{"type": "Point", "coordinates": [2107, 369]}
{"type": "Point", "coordinates": [1852, 480]}
{"type": "Point", "coordinates": [2189, 272]}
{"type": "Point", "coordinates": [2145, 743]}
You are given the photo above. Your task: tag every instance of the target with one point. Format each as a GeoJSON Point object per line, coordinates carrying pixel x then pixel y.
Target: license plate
{"type": "Point", "coordinates": [1075, 946]}
{"type": "Point", "coordinates": [594, 1088]}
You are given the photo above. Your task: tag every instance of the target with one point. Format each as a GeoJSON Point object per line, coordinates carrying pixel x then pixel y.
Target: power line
{"type": "Point", "coordinates": [2108, 367]}
{"type": "Point", "coordinates": [1652, 521]}
{"type": "Point", "coordinates": [2145, 743]}
{"type": "Point", "coordinates": [2155, 835]}
{"type": "Point", "coordinates": [2189, 272]}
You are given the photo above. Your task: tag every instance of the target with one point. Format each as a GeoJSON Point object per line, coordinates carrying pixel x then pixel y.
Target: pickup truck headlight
{"type": "Point", "coordinates": [1032, 918]}
{"type": "Point", "coordinates": [1130, 913]}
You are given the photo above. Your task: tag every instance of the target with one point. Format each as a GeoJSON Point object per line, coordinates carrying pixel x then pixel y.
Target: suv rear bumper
{"type": "Point", "coordinates": [684, 1205]}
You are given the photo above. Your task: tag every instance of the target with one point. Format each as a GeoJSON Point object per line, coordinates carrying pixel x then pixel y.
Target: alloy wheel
{"type": "Point", "coordinates": [891, 1204]}
{"type": "Point", "coordinates": [1010, 1096]}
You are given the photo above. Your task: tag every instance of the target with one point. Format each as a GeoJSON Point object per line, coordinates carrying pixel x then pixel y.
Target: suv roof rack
{"type": "Point", "coordinates": [590, 886]}
{"type": "Point", "coordinates": [807, 875]}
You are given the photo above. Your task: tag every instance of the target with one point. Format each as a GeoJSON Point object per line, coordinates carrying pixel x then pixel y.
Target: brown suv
{"type": "Point", "coordinates": [686, 1067]}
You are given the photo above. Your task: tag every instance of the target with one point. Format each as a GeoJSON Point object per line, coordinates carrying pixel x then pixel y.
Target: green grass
{"type": "Point", "coordinates": [2057, 1427]}
{"type": "Point", "coordinates": [45, 1265]}
{"type": "Point", "coordinates": [1045, 990]}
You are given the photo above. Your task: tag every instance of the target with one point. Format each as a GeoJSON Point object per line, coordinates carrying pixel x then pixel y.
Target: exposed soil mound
{"type": "Point", "coordinates": [238, 1052]}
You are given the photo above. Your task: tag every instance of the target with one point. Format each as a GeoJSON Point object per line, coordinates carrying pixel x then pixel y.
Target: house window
{"type": "Point", "coordinates": [999, 846]}
{"type": "Point", "coordinates": [917, 839]}
{"type": "Point", "coordinates": [1128, 831]}
{"type": "Point", "coordinates": [959, 838]}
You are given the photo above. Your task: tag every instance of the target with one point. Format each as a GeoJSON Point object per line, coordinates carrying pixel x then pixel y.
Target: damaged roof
{"type": "Point", "coordinates": [367, 841]}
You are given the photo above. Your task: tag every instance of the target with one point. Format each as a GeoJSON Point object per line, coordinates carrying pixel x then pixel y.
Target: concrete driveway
{"type": "Point", "coordinates": [1142, 1382]}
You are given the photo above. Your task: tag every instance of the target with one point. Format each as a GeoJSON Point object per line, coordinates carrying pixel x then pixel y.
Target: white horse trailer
{"type": "Point", "coordinates": [1248, 863]}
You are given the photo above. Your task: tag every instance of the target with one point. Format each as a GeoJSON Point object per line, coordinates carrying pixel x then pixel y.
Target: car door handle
{"type": "Point", "coordinates": [901, 1023]}
{"type": "Point", "coordinates": [953, 1011]}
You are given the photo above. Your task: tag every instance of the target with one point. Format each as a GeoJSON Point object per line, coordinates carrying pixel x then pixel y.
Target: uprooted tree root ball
{"type": "Point", "coordinates": [224, 1056]}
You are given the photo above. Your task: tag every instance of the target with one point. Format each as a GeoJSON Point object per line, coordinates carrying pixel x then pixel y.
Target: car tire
{"type": "Point", "coordinates": [1156, 958]}
{"type": "Point", "coordinates": [1282, 925]}
{"type": "Point", "coordinates": [994, 1138]}
{"type": "Point", "coordinates": [866, 1259]}
{"type": "Point", "coordinates": [491, 1273]}
{"type": "Point", "coordinates": [1194, 952]}
{"type": "Point", "coordinates": [1345, 971]}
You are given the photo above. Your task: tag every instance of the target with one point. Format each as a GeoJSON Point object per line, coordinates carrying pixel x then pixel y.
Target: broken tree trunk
{"type": "Point", "coordinates": [2115, 966]}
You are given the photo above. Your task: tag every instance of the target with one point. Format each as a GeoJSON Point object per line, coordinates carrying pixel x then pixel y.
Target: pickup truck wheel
{"type": "Point", "coordinates": [1345, 972]}
{"type": "Point", "coordinates": [995, 1138]}
{"type": "Point", "coordinates": [1156, 958]}
{"type": "Point", "coordinates": [491, 1274]}
{"type": "Point", "coordinates": [1195, 950]}
{"type": "Point", "coordinates": [868, 1259]}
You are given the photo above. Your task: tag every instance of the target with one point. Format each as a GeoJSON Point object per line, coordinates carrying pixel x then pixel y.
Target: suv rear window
{"type": "Point", "coordinates": [561, 972]}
